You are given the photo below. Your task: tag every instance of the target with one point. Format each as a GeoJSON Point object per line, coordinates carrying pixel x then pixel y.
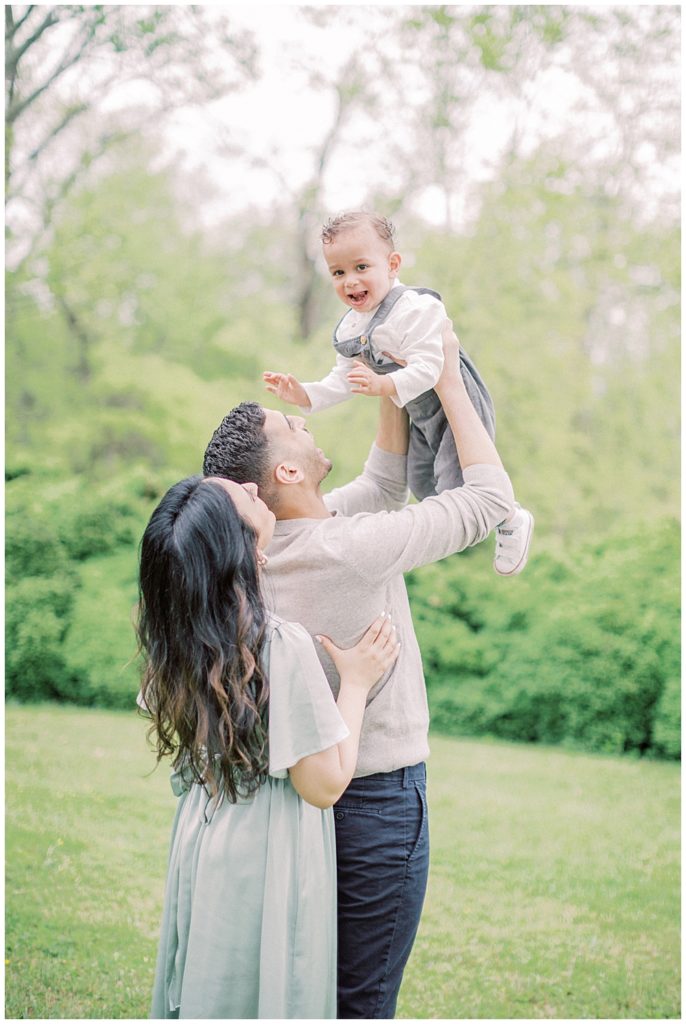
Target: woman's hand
{"type": "Point", "coordinates": [366, 662]}
{"type": "Point", "coordinates": [450, 374]}
{"type": "Point", "coordinates": [322, 778]}
{"type": "Point", "coordinates": [286, 387]}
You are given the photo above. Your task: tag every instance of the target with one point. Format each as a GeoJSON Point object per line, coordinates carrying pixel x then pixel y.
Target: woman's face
{"type": "Point", "coordinates": [250, 507]}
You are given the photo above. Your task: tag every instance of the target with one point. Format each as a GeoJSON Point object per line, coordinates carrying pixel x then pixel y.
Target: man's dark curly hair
{"type": "Point", "coordinates": [239, 449]}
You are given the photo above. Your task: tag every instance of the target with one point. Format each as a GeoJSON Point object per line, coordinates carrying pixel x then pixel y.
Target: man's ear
{"type": "Point", "coordinates": [394, 261]}
{"type": "Point", "coordinates": [288, 473]}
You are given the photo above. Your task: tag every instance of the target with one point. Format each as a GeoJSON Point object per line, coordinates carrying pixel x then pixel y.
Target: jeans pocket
{"type": "Point", "coordinates": [421, 821]}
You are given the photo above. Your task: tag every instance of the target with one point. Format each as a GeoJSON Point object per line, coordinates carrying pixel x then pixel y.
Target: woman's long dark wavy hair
{"type": "Point", "coordinates": [201, 628]}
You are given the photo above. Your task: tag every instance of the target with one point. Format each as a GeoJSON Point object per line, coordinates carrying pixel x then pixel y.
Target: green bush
{"type": "Point", "coordinates": [52, 529]}
{"type": "Point", "coordinates": [51, 523]}
{"type": "Point", "coordinates": [32, 546]}
{"type": "Point", "coordinates": [583, 652]}
{"type": "Point", "coordinates": [36, 621]}
{"type": "Point", "coordinates": [667, 720]}
{"type": "Point", "coordinates": [100, 646]}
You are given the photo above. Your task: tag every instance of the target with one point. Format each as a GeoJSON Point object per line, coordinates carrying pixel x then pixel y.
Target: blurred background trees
{"type": "Point", "coordinates": [163, 249]}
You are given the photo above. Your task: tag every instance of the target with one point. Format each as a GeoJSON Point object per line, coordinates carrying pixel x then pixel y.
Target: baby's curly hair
{"type": "Point", "coordinates": [345, 221]}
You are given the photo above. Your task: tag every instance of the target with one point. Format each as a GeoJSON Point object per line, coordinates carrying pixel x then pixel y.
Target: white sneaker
{"type": "Point", "coordinates": [512, 543]}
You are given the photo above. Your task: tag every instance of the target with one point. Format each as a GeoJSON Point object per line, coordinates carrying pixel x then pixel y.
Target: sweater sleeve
{"type": "Point", "coordinates": [380, 546]}
{"type": "Point", "coordinates": [382, 486]}
{"type": "Point", "coordinates": [413, 330]}
{"type": "Point", "coordinates": [332, 389]}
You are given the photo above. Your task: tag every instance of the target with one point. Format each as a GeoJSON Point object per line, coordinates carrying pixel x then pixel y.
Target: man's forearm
{"type": "Point", "coordinates": [393, 433]}
{"type": "Point", "coordinates": [474, 446]}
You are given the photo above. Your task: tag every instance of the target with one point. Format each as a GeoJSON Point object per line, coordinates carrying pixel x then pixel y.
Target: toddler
{"type": "Point", "coordinates": [389, 343]}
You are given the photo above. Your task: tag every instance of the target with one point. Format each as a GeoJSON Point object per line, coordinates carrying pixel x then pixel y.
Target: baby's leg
{"type": "Point", "coordinates": [433, 463]}
{"type": "Point", "coordinates": [446, 468]}
{"type": "Point", "coordinates": [420, 465]}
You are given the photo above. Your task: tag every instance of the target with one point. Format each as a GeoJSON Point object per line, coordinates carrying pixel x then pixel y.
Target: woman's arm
{"type": "Point", "coordinates": [322, 778]}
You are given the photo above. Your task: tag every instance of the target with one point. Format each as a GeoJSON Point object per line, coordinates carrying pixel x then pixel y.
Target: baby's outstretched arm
{"type": "Point", "coordinates": [286, 387]}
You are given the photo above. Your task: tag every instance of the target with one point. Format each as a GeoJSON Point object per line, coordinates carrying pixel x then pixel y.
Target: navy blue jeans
{"type": "Point", "coordinates": [382, 848]}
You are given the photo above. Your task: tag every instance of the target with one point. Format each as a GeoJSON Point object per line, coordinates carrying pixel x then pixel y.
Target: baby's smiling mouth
{"type": "Point", "coordinates": [357, 298]}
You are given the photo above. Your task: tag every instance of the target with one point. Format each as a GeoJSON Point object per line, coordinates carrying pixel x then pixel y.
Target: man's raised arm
{"type": "Point", "coordinates": [474, 446]}
{"type": "Point", "coordinates": [393, 432]}
{"type": "Point", "coordinates": [382, 485]}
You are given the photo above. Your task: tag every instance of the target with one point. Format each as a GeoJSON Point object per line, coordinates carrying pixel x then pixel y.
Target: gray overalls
{"type": "Point", "coordinates": [432, 464]}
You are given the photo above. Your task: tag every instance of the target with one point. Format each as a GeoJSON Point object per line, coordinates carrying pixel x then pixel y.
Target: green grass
{"type": "Point", "coordinates": [554, 889]}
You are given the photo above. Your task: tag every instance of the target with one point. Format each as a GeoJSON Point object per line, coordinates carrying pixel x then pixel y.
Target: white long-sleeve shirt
{"type": "Point", "coordinates": [412, 330]}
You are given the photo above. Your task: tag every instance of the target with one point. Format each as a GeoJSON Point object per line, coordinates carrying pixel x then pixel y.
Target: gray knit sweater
{"type": "Point", "coordinates": [335, 575]}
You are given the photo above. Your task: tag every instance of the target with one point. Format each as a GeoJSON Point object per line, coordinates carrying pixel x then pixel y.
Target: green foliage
{"type": "Point", "coordinates": [583, 651]}
{"type": "Point", "coordinates": [51, 528]}
{"type": "Point", "coordinates": [100, 647]}
{"type": "Point", "coordinates": [144, 332]}
{"type": "Point", "coordinates": [36, 619]}
{"type": "Point", "coordinates": [667, 718]}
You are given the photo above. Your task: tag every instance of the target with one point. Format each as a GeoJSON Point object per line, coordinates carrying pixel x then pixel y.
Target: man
{"type": "Point", "coordinates": [335, 562]}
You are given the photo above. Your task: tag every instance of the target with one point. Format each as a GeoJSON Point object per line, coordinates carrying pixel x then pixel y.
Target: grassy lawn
{"type": "Point", "coordinates": [554, 889]}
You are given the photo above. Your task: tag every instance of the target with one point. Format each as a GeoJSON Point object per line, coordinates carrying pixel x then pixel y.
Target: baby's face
{"type": "Point", "coordinates": [362, 267]}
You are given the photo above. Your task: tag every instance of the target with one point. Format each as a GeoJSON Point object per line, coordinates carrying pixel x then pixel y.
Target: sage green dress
{"type": "Point", "coordinates": [249, 920]}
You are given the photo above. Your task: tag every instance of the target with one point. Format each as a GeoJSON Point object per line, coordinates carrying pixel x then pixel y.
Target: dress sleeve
{"type": "Point", "coordinates": [303, 717]}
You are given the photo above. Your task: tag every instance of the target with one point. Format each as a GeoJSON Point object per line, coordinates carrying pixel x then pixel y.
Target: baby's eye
{"type": "Point", "coordinates": [362, 266]}
{"type": "Point", "coordinates": [336, 273]}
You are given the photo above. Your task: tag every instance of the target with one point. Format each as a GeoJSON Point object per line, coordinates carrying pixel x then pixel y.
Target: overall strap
{"type": "Point", "coordinates": [354, 346]}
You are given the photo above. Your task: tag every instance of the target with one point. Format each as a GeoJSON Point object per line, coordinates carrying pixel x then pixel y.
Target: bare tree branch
{"type": "Point", "coordinates": [15, 55]}
{"type": "Point", "coordinates": [15, 111]}
{"type": "Point", "coordinates": [65, 186]}
{"type": "Point", "coordinates": [66, 120]}
{"type": "Point", "coordinates": [12, 26]}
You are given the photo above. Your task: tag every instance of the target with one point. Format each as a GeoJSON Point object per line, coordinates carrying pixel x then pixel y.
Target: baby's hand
{"type": "Point", "coordinates": [370, 658]}
{"type": "Point", "coordinates": [365, 381]}
{"type": "Point", "coordinates": [287, 388]}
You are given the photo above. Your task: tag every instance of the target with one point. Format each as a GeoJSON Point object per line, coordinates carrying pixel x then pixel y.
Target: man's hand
{"type": "Point", "coordinates": [287, 388]}
{"type": "Point", "coordinates": [365, 381]}
{"type": "Point", "coordinates": [450, 374]}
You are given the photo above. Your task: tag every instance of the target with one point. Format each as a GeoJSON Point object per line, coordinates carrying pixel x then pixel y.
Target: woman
{"type": "Point", "coordinates": [260, 752]}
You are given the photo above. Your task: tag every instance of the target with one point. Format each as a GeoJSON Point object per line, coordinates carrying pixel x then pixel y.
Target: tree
{"type": "Point", "coordinates": [81, 78]}
{"type": "Point", "coordinates": [348, 89]}
{"type": "Point", "coordinates": [603, 80]}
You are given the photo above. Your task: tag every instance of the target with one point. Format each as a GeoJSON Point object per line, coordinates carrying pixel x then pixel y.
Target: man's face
{"type": "Point", "coordinates": [362, 266]}
{"type": "Point", "coordinates": [291, 441]}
